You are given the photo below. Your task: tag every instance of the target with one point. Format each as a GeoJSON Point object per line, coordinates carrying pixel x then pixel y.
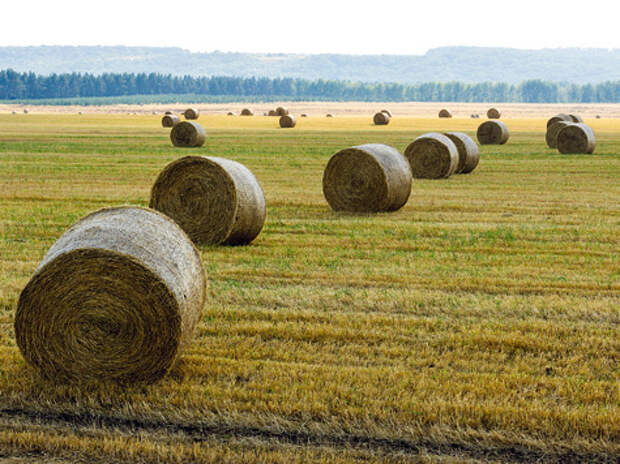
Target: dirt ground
{"type": "Point", "coordinates": [417, 109]}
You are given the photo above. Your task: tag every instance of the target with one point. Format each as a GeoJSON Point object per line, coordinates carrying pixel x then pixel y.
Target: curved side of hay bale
{"type": "Point", "coordinates": [444, 113]}
{"type": "Point", "coordinates": [381, 118]}
{"type": "Point", "coordinates": [558, 117]}
{"type": "Point", "coordinates": [388, 112]}
{"type": "Point", "coordinates": [367, 178]}
{"type": "Point", "coordinates": [493, 113]}
{"type": "Point", "coordinates": [432, 156]}
{"type": "Point", "coordinates": [492, 133]}
{"type": "Point", "coordinates": [170, 120]}
{"type": "Point", "coordinates": [281, 111]}
{"type": "Point", "coordinates": [575, 118]}
{"type": "Point", "coordinates": [117, 297]}
{"type": "Point", "coordinates": [191, 113]}
{"type": "Point", "coordinates": [551, 137]}
{"type": "Point", "coordinates": [247, 112]}
{"type": "Point", "coordinates": [214, 200]}
{"type": "Point", "coordinates": [469, 153]}
{"type": "Point", "coordinates": [576, 138]}
{"type": "Point", "coordinates": [287, 121]}
{"type": "Point", "coordinates": [272, 113]}
{"type": "Point", "coordinates": [188, 134]}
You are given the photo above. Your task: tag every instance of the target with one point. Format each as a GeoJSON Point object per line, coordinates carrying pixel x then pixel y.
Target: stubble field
{"type": "Point", "coordinates": [479, 323]}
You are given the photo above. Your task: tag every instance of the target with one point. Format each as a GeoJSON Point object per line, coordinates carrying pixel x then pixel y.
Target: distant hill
{"type": "Point", "coordinates": [464, 64]}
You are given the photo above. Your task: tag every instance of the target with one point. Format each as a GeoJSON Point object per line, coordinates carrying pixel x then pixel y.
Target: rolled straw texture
{"type": "Point", "coordinates": [493, 113]}
{"type": "Point", "coordinates": [214, 200]}
{"type": "Point", "coordinates": [272, 113]}
{"type": "Point", "coordinates": [576, 138]}
{"type": "Point", "coordinates": [170, 120]}
{"type": "Point", "coordinates": [381, 118]}
{"type": "Point", "coordinates": [188, 134]}
{"type": "Point", "coordinates": [117, 297]}
{"type": "Point", "coordinates": [191, 113]}
{"type": "Point", "coordinates": [281, 111]}
{"type": "Point", "coordinates": [575, 118]}
{"type": "Point", "coordinates": [367, 178]}
{"type": "Point", "coordinates": [492, 133]}
{"type": "Point", "coordinates": [469, 153]}
{"type": "Point", "coordinates": [247, 112]}
{"type": "Point", "coordinates": [388, 112]}
{"type": "Point", "coordinates": [445, 113]}
{"type": "Point", "coordinates": [432, 156]}
{"type": "Point", "coordinates": [551, 137]}
{"type": "Point", "coordinates": [287, 121]}
{"type": "Point", "coordinates": [558, 117]}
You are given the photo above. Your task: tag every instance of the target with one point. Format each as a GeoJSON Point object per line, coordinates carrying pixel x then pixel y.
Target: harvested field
{"type": "Point", "coordinates": [478, 323]}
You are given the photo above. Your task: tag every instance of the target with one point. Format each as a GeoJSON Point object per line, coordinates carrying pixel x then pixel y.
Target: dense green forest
{"type": "Point", "coordinates": [16, 86]}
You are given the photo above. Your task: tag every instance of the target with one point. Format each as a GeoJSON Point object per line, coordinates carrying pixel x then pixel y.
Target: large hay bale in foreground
{"type": "Point", "coordinates": [469, 153]}
{"type": "Point", "coordinates": [493, 113]}
{"type": "Point", "coordinates": [558, 117]}
{"type": "Point", "coordinates": [214, 200]}
{"type": "Point", "coordinates": [444, 113]}
{"type": "Point", "coordinates": [492, 133]}
{"type": "Point", "coordinates": [281, 111]}
{"type": "Point", "coordinates": [247, 112]}
{"type": "Point", "coordinates": [388, 112]}
{"type": "Point", "coordinates": [432, 156]}
{"type": "Point", "coordinates": [551, 137]}
{"type": "Point", "coordinates": [117, 297]}
{"type": "Point", "coordinates": [191, 113]}
{"type": "Point", "coordinates": [381, 118]}
{"type": "Point", "coordinates": [367, 178]}
{"type": "Point", "coordinates": [287, 121]}
{"type": "Point", "coordinates": [188, 134]}
{"type": "Point", "coordinates": [576, 138]}
{"type": "Point", "coordinates": [170, 120]}
{"type": "Point", "coordinates": [575, 118]}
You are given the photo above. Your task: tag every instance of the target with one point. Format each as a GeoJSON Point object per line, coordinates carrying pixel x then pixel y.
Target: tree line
{"type": "Point", "coordinates": [29, 86]}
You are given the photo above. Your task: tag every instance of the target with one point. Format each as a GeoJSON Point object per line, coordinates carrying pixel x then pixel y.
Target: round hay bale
{"type": "Point", "coordinates": [329, 115]}
{"type": "Point", "coordinates": [230, 113]}
{"type": "Point", "coordinates": [117, 297]}
{"type": "Point", "coordinates": [575, 118]}
{"type": "Point", "coordinates": [367, 178]}
{"type": "Point", "coordinates": [381, 118]}
{"type": "Point", "coordinates": [188, 134]}
{"type": "Point", "coordinates": [558, 117]}
{"type": "Point", "coordinates": [469, 153]}
{"type": "Point", "coordinates": [432, 156]}
{"type": "Point", "coordinates": [444, 113]}
{"type": "Point", "coordinates": [388, 112]}
{"type": "Point", "coordinates": [492, 133]}
{"type": "Point", "coordinates": [168, 112]}
{"type": "Point", "coordinates": [25, 111]}
{"type": "Point", "coordinates": [273, 113]}
{"type": "Point", "coordinates": [170, 120]}
{"type": "Point", "coordinates": [247, 112]}
{"type": "Point", "coordinates": [598, 116]}
{"type": "Point", "coordinates": [287, 121]}
{"type": "Point", "coordinates": [551, 137]}
{"type": "Point", "coordinates": [576, 138]}
{"type": "Point", "coordinates": [493, 113]}
{"type": "Point", "coordinates": [214, 200]}
{"type": "Point", "coordinates": [281, 111]}
{"type": "Point", "coordinates": [304, 115]}
{"type": "Point", "coordinates": [191, 113]}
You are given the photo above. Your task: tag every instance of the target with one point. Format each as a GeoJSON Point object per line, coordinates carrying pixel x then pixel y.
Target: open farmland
{"type": "Point", "coordinates": [480, 322]}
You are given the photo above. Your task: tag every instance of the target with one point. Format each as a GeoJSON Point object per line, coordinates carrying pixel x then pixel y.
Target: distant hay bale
{"type": "Point", "coordinates": [469, 153]}
{"type": "Point", "coordinates": [444, 113]}
{"type": "Point", "coordinates": [493, 113]}
{"type": "Point", "coordinates": [367, 178]}
{"type": "Point", "coordinates": [230, 113]}
{"type": "Point", "coordinates": [25, 111]}
{"type": "Point", "coordinates": [598, 116]}
{"type": "Point", "coordinates": [381, 118]}
{"type": "Point", "coordinates": [273, 113]}
{"type": "Point", "coordinates": [388, 112]}
{"type": "Point", "coordinates": [191, 113]}
{"type": "Point", "coordinates": [551, 137]}
{"type": "Point", "coordinates": [432, 156]}
{"type": "Point", "coordinates": [492, 133]}
{"type": "Point", "coordinates": [304, 115]}
{"type": "Point", "coordinates": [576, 138]}
{"type": "Point", "coordinates": [170, 120]}
{"type": "Point", "coordinates": [575, 118]}
{"type": "Point", "coordinates": [214, 200]}
{"type": "Point", "coordinates": [281, 111]}
{"type": "Point", "coordinates": [168, 112]}
{"type": "Point", "coordinates": [188, 134]}
{"type": "Point", "coordinates": [117, 297]}
{"type": "Point", "coordinates": [287, 121]}
{"type": "Point", "coordinates": [247, 112]}
{"type": "Point", "coordinates": [329, 115]}
{"type": "Point", "coordinates": [558, 117]}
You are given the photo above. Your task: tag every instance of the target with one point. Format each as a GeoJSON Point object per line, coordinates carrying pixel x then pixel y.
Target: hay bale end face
{"type": "Point", "coordinates": [432, 156]}
{"type": "Point", "coordinates": [247, 112]}
{"type": "Point", "coordinates": [444, 113]}
{"type": "Point", "coordinates": [469, 153]}
{"type": "Point", "coordinates": [103, 304]}
{"type": "Point", "coordinates": [287, 121]}
{"type": "Point", "coordinates": [492, 133]}
{"type": "Point", "coordinates": [575, 139]}
{"type": "Point", "coordinates": [188, 134]}
{"type": "Point", "coordinates": [493, 113]}
{"type": "Point", "coordinates": [388, 112]}
{"type": "Point", "coordinates": [191, 113]}
{"type": "Point", "coordinates": [367, 179]}
{"type": "Point", "coordinates": [381, 118]}
{"type": "Point", "coordinates": [551, 137]}
{"type": "Point", "coordinates": [170, 120]}
{"type": "Point", "coordinates": [281, 111]}
{"type": "Point", "coordinates": [214, 200]}
{"type": "Point", "coordinates": [575, 118]}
